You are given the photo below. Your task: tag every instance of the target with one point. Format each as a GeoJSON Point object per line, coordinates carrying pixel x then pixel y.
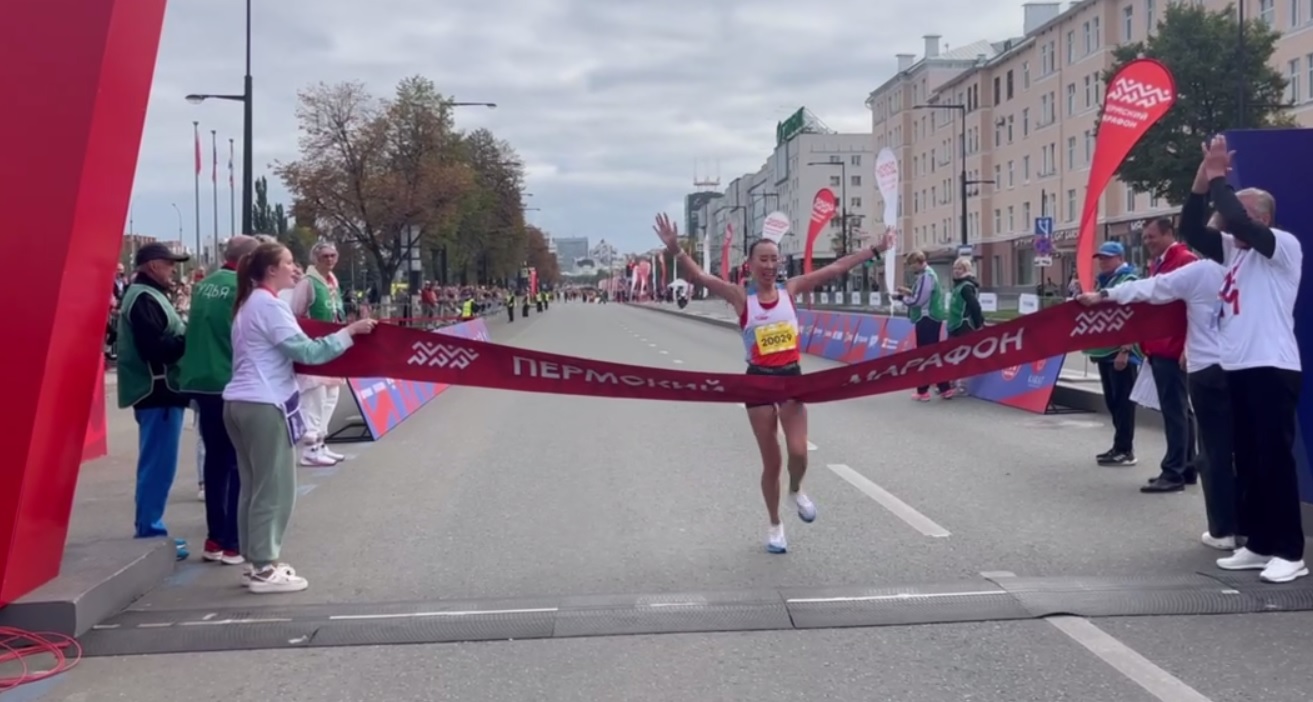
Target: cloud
{"type": "Point", "coordinates": [612, 105]}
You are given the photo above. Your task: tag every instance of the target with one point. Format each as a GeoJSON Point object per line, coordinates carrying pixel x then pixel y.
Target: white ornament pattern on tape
{"type": "Point", "coordinates": [1102, 320]}
{"type": "Point", "coordinates": [1141, 95]}
{"type": "Point", "coordinates": [438, 355]}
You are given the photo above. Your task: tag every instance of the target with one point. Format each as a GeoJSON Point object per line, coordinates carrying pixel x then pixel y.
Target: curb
{"type": "Point", "coordinates": [1065, 394]}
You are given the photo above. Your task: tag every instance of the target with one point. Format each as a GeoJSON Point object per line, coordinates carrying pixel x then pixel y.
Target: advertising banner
{"type": "Point", "coordinates": [385, 403]}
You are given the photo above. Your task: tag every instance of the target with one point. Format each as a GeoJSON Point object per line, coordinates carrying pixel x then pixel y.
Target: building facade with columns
{"type": "Point", "coordinates": [1025, 108]}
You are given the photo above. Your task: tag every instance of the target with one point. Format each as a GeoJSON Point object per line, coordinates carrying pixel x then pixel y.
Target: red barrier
{"type": "Point", "coordinates": [407, 354]}
{"type": "Point", "coordinates": [81, 73]}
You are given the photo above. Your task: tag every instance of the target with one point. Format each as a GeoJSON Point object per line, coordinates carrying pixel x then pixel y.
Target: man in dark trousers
{"type": "Point", "coordinates": [1163, 356]}
{"type": "Point", "coordinates": [151, 342]}
{"type": "Point", "coordinates": [1260, 355]}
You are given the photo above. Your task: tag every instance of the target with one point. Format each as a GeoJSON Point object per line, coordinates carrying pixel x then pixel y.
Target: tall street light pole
{"type": "Point", "coordinates": [962, 170]}
{"type": "Point", "coordinates": [248, 154]}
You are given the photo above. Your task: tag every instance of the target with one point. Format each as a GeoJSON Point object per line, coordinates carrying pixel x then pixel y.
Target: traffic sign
{"type": "Point", "coordinates": [1043, 261]}
{"type": "Point", "coordinates": [966, 251]}
{"type": "Point", "coordinates": [1044, 226]}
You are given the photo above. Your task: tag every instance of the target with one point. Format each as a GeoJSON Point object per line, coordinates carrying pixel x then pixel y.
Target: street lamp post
{"type": "Point", "coordinates": [247, 100]}
{"type": "Point", "coordinates": [962, 171]}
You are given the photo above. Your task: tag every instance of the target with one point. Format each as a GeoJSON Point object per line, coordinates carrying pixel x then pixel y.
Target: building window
{"type": "Point", "coordinates": [835, 158]}
{"type": "Point", "coordinates": [1071, 47]}
{"type": "Point", "coordinates": [1012, 219]}
{"type": "Point", "coordinates": [1295, 19]}
{"type": "Point", "coordinates": [1025, 123]}
{"type": "Point", "coordinates": [1267, 12]}
{"type": "Point", "coordinates": [1128, 23]}
{"type": "Point", "coordinates": [1071, 99]}
{"type": "Point", "coordinates": [855, 201]}
{"type": "Point", "coordinates": [1071, 153]}
{"type": "Point", "coordinates": [1025, 75]}
{"type": "Point", "coordinates": [1308, 60]}
{"type": "Point", "coordinates": [1009, 85]}
{"type": "Point", "coordinates": [1292, 87]}
{"type": "Point", "coordinates": [1071, 205]}
{"type": "Point", "coordinates": [1025, 169]}
{"type": "Point", "coordinates": [1089, 92]}
{"type": "Point", "coordinates": [1011, 174]}
{"type": "Point", "coordinates": [998, 175]}
{"type": "Point", "coordinates": [855, 160]}
{"type": "Point", "coordinates": [1150, 17]}
{"type": "Point", "coordinates": [1089, 146]}
{"type": "Point", "coordinates": [1025, 212]}
{"type": "Point", "coordinates": [998, 222]}
{"type": "Point", "coordinates": [1098, 33]}
{"type": "Point", "coordinates": [1130, 199]}
{"type": "Point", "coordinates": [1089, 38]}
{"type": "Point", "coordinates": [855, 181]}
{"type": "Point", "coordinates": [835, 181]}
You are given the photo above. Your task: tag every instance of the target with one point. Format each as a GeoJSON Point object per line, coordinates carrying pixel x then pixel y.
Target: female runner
{"type": "Point", "coordinates": [770, 335]}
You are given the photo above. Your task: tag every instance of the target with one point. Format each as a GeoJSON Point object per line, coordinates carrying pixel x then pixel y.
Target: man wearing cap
{"type": "Point", "coordinates": [1118, 365]}
{"type": "Point", "coordinates": [151, 342]}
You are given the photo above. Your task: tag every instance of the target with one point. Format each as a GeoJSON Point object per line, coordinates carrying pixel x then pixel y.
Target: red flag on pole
{"type": "Point", "coordinates": [1138, 96]}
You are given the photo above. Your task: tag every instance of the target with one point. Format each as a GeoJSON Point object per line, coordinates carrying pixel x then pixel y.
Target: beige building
{"type": "Point", "coordinates": [1026, 108]}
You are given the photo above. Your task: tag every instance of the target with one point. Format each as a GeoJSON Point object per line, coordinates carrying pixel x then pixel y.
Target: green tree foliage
{"type": "Point", "coordinates": [1202, 50]}
{"type": "Point", "coordinates": [371, 169]}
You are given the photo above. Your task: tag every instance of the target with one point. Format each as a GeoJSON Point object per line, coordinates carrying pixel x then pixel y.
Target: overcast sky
{"type": "Point", "coordinates": [611, 103]}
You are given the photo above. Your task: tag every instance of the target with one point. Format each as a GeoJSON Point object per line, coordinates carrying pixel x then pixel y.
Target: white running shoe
{"type": "Point", "coordinates": [274, 579]}
{"type": "Point", "coordinates": [314, 458]}
{"type": "Point", "coordinates": [1244, 559]}
{"type": "Point", "coordinates": [775, 542]}
{"type": "Point", "coordinates": [1222, 543]}
{"type": "Point", "coordinates": [806, 508]}
{"type": "Point", "coordinates": [334, 455]}
{"type": "Point", "coordinates": [1280, 570]}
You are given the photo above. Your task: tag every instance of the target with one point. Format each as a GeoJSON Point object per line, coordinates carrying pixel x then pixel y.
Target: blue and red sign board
{"type": "Point", "coordinates": [852, 338]}
{"type": "Point", "coordinates": [385, 403]}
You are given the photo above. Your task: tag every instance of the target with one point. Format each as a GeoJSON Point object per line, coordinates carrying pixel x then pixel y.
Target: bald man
{"type": "Point", "coordinates": [206, 367]}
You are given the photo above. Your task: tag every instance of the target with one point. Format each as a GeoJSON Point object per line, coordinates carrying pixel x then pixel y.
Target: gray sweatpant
{"type": "Point", "coordinates": [266, 465]}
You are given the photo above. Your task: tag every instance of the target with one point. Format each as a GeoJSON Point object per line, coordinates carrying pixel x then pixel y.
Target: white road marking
{"type": "Point", "coordinates": [678, 362]}
{"type": "Point", "coordinates": [664, 353]}
{"type": "Point", "coordinates": [652, 346]}
{"type": "Point", "coordinates": [418, 615]}
{"type": "Point", "coordinates": [996, 574]}
{"type": "Point", "coordinates": [898, 596]}
{"type": "Point", "coordinates": [811, 446]}
{"type": "Point", "coordinates": [897, 507]}
{"type": "Point", "coordinates": [1125, 660]}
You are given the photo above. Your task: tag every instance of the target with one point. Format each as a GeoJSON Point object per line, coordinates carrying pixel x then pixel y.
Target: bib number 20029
{"type": "Point", "coordinates": [777, 337]}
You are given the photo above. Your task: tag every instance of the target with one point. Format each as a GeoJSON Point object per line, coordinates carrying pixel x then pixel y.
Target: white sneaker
{"type": "Point", "coordinates": [806, 508]}
{"type": "Point", "coordinates": [334, 455]}
{"type": "Point", "coordinates": [1243, 559]}
{"type": "Point", "coordinates": [1280, 570]}
{"type": "Point", "coordinates": [274, 579]}
{"type": "Point", "coordinates": [775, 542]}
{"type": "Point", "coordinates": [313, 457]}
{"type": "Point", "coordinates": [1224, 543]}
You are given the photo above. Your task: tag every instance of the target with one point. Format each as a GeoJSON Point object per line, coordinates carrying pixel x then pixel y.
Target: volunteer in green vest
{"type": "Point", "coordinates": [925, 308]}
{"type": "Point", "coordinates": [317, 296]}
{"type": "Point", "coordinates": [204, 370]}
{"type": "Point", "coordinates": [467, 308]}
{"type": "Point", "coordinates": [150, 343]}
{"type": "Point", "coordinates": [964, 312]}
{"type": "Point", "coordinates": [1118, 365]}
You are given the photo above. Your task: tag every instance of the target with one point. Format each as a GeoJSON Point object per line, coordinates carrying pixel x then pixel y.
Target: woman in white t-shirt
{"type": "Point", "coordinates": [262, 409]}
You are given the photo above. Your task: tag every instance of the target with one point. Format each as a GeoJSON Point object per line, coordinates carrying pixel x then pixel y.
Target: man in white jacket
{"type": "Point", "coordinates": [317, 296]}
{"type": "Point", "coordinates": [1197, 284]}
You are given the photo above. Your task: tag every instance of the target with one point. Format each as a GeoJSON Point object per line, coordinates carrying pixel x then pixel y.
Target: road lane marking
{"type": "Point", "coordinates": [811, 446]}
{"type": "Point", "coordinates": [419, 615]}
{"type": "Point", "coordinates": [678, 362]}
{"type": "Point", "coordinates": [896, 596]}
{"type": "Point", "coordinates": [886, 499]}
{"type": "Point", "coordinates": [1125, 660]}
{"type": "Point", "coordinates": [664, 353]}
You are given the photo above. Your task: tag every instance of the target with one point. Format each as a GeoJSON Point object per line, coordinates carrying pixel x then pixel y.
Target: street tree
{"type": "Point", "coordinates": [485, 238]}
{"type": "Point", "coordinates": [1212, 72]}
{"type": "Point", "coordinates": [538, 257]}
{"type": "Point", "coordinates": [371, 169]}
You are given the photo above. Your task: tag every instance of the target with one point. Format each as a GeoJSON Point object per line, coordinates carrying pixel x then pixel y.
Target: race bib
{"type": "Point", "coordinates": [777, 337]}
{"type": "Point", "coordinates": [294, 419]}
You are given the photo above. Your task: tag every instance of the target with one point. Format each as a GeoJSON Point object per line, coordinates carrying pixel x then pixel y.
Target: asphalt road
{"type": "Point", "coordinates": [487, 494]}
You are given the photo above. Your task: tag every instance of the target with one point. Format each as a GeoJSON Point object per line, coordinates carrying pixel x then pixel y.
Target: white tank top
{"type": "Point", "coordinates": [770, 335]}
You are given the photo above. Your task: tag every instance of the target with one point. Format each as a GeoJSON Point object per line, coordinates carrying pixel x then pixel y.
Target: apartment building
{"type": "Point", "coordinates": [801, 165]}
{"type": "Point", "coordinates": [1025, 109]}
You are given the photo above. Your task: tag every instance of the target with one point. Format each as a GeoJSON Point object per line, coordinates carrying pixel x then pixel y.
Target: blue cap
{"type": "Point", "coordinates": [1110, 248]}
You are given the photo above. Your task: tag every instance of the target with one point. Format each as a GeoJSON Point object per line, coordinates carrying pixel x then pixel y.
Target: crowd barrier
{"type": "Point", "coordinates": [852, 338]}
{"type": "Point", "coordinates": [384, 403]}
